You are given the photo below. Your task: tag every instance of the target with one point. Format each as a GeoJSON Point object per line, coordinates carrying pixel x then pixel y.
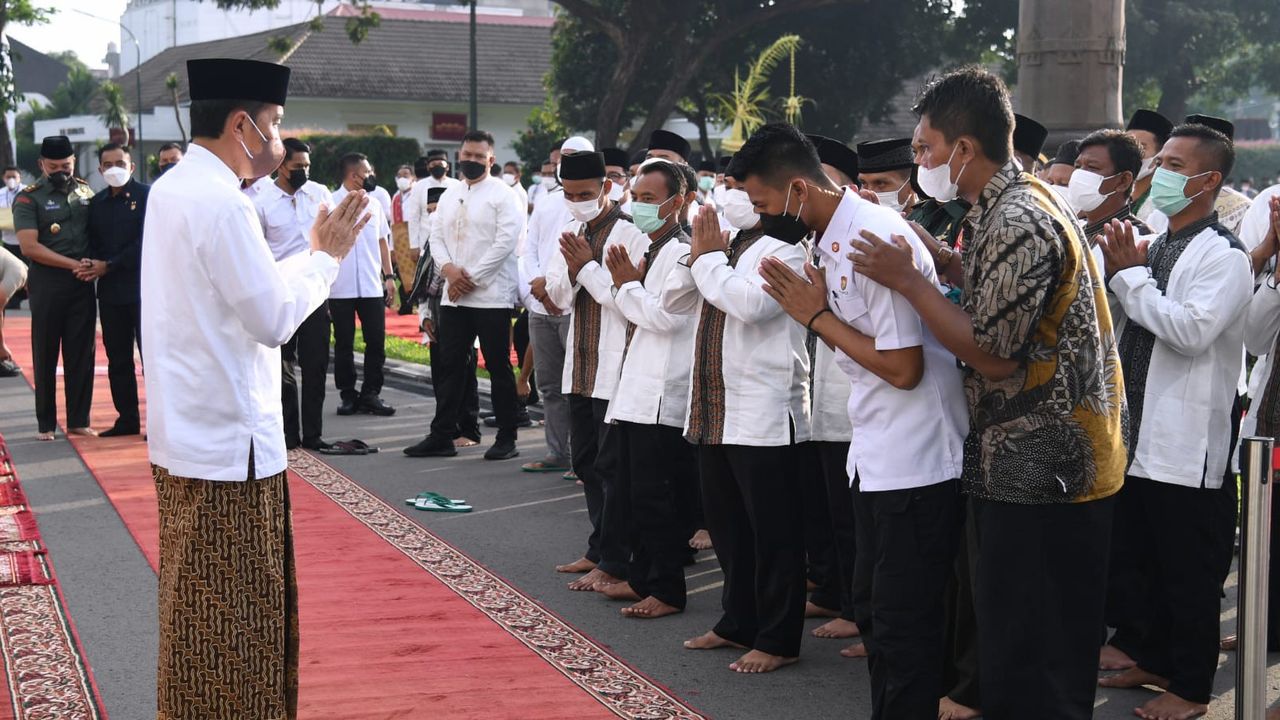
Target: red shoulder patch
{"type": "Point", "coordinates": [22, 199]}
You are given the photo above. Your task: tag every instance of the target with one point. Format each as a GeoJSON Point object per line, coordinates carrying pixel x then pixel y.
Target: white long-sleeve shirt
{"type": "Point", "coordinates": [477, 227]}
{"type": "Point", "coordinates": [596, 280]}
{"type": "Point", "coordinates": [415, 209]}
{"type": "Point", "coordinates": [542, 244]}
{"type": "Point", "coordinates": [654, 384]}
{"type": "Point", "coordinates": [287, 219]}
{"type": "Point", "coordinates": [766, 364]}
{"type": "Point", "coordinates": [1198, 323]}
{"type": "Point", "coordinates": [215, 309]}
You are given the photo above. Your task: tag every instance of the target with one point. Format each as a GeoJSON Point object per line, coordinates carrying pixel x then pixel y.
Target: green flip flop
{"type": "Point", "coordinates": [432, 496]}
{"type": "Point", "coordinates": [441, 504]}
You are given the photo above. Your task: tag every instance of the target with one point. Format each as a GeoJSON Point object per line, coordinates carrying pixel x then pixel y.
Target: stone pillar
{"type": "Point", "coordinates": [1070, 65]}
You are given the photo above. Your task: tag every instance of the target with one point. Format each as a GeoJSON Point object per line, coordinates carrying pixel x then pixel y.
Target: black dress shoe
{"type": "Point", "coordinates": [119, 430]}
{"type": "Point", "coordinates": [316, 444]}
{"type": "Point", "coordinates": [522, 420]}
{"type": "Point", "coordinates": [9, 368]}
{"type": "Point", "coordinates": [502, 450]}
{"type": "Point", "coordinates": [432, 447]}
{"type": "Point", "coordinates": [373, 405]}
{"type": "Point", "coordinates": [348, 407]}
{"type": "Point", "coordinates": [290, 443]}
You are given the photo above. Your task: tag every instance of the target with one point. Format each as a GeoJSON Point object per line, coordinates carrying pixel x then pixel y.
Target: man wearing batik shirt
{"type": "Point", "coordinates": [748, 407]}
{"type": "Point", "coordinates": [1181, 306]}
{"type": "Point", "coordinates": [1045, 451]}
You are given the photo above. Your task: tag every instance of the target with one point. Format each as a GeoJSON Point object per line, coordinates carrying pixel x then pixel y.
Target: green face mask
{"type": "Point", "coordinates": [1169, 191]}
{"type": "Point", "coordinates": [706, 183]}
{"type": "Point", "coordinates": [645, 216]}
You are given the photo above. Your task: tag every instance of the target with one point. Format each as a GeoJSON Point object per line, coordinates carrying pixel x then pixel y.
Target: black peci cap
{"type": "Point", "coordinates": [836, 154]}
{"type": "Point", "coordinates": [1028, 135]}
{"type": "Point", "coordinates": [1067, 153]}
{"type": "Point", "coordinates": [228, 79]}
{"type": "Point", "coordinates": [582, 166]}
{"type": "Point", "coordinates": [885, 155]}
{"type": "Point", "coordinates": [667, 140]}
{"type": "Point", "coordinates": [433, 194]}
{"type": "Point", "coordinates": [56, 147]}
{"type": "Point", "coordinates": [1151, 121]}
{"type": "Point", "coordinates": [1222, 125]}
{"type": "Point", "coordinates": [616, 157]}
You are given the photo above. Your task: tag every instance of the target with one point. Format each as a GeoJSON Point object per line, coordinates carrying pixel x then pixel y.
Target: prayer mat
{"type": "Point", "coordinates": [11, 495]}
{"type": "Point", "coordinates": [18, 526]}
{"type": "Point", "coordinates": [23, 568]}
{"type": "Point", "coordinates": [228, 599]}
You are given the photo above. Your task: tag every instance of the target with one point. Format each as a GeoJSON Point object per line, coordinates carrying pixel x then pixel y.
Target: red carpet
{"type": "Point", "coordinates": [395, 622]}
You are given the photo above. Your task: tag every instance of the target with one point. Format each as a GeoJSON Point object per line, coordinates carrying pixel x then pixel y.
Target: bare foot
{"type": "Point", "coordinates": [464, 442]}
{"type": "Point", "coordinates": [581, 565]}
{"type": "Point", "coordinates": [756, 661]}
{"type": "Point", "coordinates": [817, 611]}
{"type": "Point", "coordinates": [856, 650]}
{"type": "Point", "coordinates": [650, 608]}
{"type": "Point", "coordinates": [83, 432]}
{"type": "Point", "coordinates": [838, 629]}
{"type": "Point", "coordinates": [1132, 678]}
{"type": "Point", "coordinates": [1170, 707]}
{"type": "Point", "coordinates": [949, 709]}
{"type": "Point", "coordinates": [1229, 644]}
{"type": "Point", "coordinates": [1113, 658]}
{"type": "Point", "coordinates": [701, 540]}
{"type": "Point", "coordinates": [617, 591]}
{"type": "Point", "coordinates": [711, 641]}
{"type": "Point", "coordinates": [593, 578]}
{"type": "Point", "coordinates": [44, 436]}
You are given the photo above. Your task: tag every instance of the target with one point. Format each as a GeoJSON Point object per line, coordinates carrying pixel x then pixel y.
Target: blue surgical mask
{"type": "Point", "coordinates": [645, 216]}
{"type": "Point", "coordinates": [1169, 191]}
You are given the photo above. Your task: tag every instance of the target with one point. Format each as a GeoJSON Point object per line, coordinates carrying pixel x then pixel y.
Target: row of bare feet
{"type": "Point", "coordinates": [1166, 705]}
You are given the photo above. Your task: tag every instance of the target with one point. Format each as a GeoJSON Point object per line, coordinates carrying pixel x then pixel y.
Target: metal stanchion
{"type": "Point", "coordinates": [1255, 552]}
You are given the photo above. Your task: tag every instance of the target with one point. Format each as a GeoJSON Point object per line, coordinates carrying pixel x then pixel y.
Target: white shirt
{"type": "Point", "coordinates": [599, 283]}
{"type": "Point", "coordinates": [360, 274]}
{"type": "Point", "coordinates": [258, 185]}
{"type": "Point", "coordinates": [476, 227]}
{"type": "Point", "coordinates": [415, 208]}
{"type": "Point", "coordinates": [902, 439]}
{"type": "Point", "coordinates": [287, 219]}
{"type": "Point", "coordinates": [215, 309]}
{"type": "Point", "coordinates": [654, 384]}
{"type": "Point", "coordinates": [7, 197]}
{"type": "Point", "coordinates": [1198, 323]}
{"type": "Point", "coordinates": [523, 194]}
{"type": "Point", "coordinates": [383, 198]}
{"type": "Point", "coordinates": [766, 364]}
{"type": "Point", "coordinates": [537, 191]}
{"type": "Point", "coordinates": [1253, 227]}
{"type": "Point", "coordinates": [542, 244]}
{"type": "Point", "coordinates": [829, 406]}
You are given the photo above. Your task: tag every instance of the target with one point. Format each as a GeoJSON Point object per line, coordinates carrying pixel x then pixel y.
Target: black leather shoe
{"type": "Point", "coordinates": [501, 450]}
{"type": "Point", "coordinates": [348, 407]}
{"type": "Point", "coordinates": [9, 368]}
{"type": "Point", "coordinates": [522, 420]}
{"type": "Point", "coordinates": [119, 430]}
{"type": "Point", "coordinates": [290, 443]}
{"type": "Point", "coordinates": [373, 405]}
{"type": "Point", "coordinates": [316, 444]}
{"type": "Point", "coordinates": [432, 447]}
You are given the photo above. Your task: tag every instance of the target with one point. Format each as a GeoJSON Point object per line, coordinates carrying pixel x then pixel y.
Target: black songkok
{"type": "Point", "coordinates": [228, 79]}
{"type": "Point", "coordinates": [582, 166]}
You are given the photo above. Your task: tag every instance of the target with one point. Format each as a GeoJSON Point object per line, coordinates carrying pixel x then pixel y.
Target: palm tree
{"type": "Point", "coordinates": [746, 105]}
{"type": "Point", "coordinates": [115, 113]}
{"type": "Point", "coordinates": [171, 82]}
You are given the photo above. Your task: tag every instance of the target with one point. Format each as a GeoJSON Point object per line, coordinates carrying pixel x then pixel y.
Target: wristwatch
{"type": "Point", "coordinates": [388, 277]}
{"type": "Point", "coordinates": [945, 254]}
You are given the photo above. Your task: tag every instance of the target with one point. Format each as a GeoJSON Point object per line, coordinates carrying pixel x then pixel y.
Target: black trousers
{"type": "Point", "coordinates": [1042, 574]}
{"type": "Point", "coordinates": [906, 544]}
{"type": "Point", "coordinates": [654, 461]}
{"type": "Point", "coordinates": [373, 323]}
{"type": "Point", "coordinates": [754, 515]}
{"type": "Point", "coordinates": [960, 674]}
{"type": "Point", "coordinates": [121, 330]}
{"type": "Point", "coordinates": [1174, 532]}
{"type": "Point", "coordinates": [594, 447]}
{"type": "Point", "coordinates": [308, 349]}
{"type": "Point", "coordinates": [63, 319]}
{"type": "Point", "coordinates": [455, 341]}
{"type": "Point", "coordinates": [830, 543]}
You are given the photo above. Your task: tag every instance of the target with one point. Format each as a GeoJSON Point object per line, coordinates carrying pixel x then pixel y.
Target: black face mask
{"type": "Point", "coordinates": [370, 183]}
{"type": "Point", "coordinates": [438, 171]}
{"type": "Point", "coordinates": [472, 170]}
{"type": "Point", "coordinates": [789, 229]}
{"type": "Point", "coordinates": [59, 179]}
{"type": "Point", "coordinates": [164, 169]}
{"type": "Point", "coordinates": [296, 178]}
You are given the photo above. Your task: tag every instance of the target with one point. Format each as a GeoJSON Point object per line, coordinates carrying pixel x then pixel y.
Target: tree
{"type": "Point", "coordinates": [687, 33]}
{"type": "Point", "coordinates": [747, 105]}
{"type": "Point", "coordinates": [115, 112]}
{"type": "Point", "coordinates": [171, 82]}
{"type": "Point", "coordinates": [13, 12]}
{"type": "Point", "coordinates": [542, 131]}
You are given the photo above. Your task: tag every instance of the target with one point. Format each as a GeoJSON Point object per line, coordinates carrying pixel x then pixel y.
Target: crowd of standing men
{"type": "Point", "coordinates": [974, 405]}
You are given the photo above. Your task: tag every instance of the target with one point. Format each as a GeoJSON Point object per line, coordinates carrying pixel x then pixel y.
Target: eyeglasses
{"type": "Point", "coordinates": [617, 177]}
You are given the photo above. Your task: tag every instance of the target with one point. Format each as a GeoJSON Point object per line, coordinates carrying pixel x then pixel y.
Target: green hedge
{"type": "Point", "coordinates": [386, 153]}
{"type": "Point", "coordinates": [1260, 161]}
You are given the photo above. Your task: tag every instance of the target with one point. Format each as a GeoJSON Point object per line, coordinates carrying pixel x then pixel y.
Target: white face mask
{"type": "Point", "coordinates": [12, 183]}
{"type": "Point", "coordinates": [936, 182]}
{"type": "Point", "coordinates": [1148, 167]}
{"type": "Point", "coordinates": [549, 182]}
{"type": "Point", "coordinates": [116, 176]}
{"type": "Point", "coordinates": [509, 179]}
{"type": "Point", "coordinates": [585, 210]}
{"type": "Point", "coordinates": [1082, 190]}
{"type": "Point", "coordinates": [718, 195]}
{"type": "Point", "coordinates": [890, 199]}
{"type": "Point", "coordinates": [616, 192]}
{"type": "Point", "coordinates": [738, 209]}
{"type": "Point", "coordinates": [403, 183]}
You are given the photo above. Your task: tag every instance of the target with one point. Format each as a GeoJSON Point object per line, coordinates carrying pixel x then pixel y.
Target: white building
{"type": "Point", "coordinates": [162, 24]}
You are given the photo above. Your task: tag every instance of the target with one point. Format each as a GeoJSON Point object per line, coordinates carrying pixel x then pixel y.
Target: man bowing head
{"type": "Point", "coordinates": [216, 307]}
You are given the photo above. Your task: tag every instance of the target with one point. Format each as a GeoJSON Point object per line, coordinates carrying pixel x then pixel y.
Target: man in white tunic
{"type": "Point", "coordinates": [217, 306]}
